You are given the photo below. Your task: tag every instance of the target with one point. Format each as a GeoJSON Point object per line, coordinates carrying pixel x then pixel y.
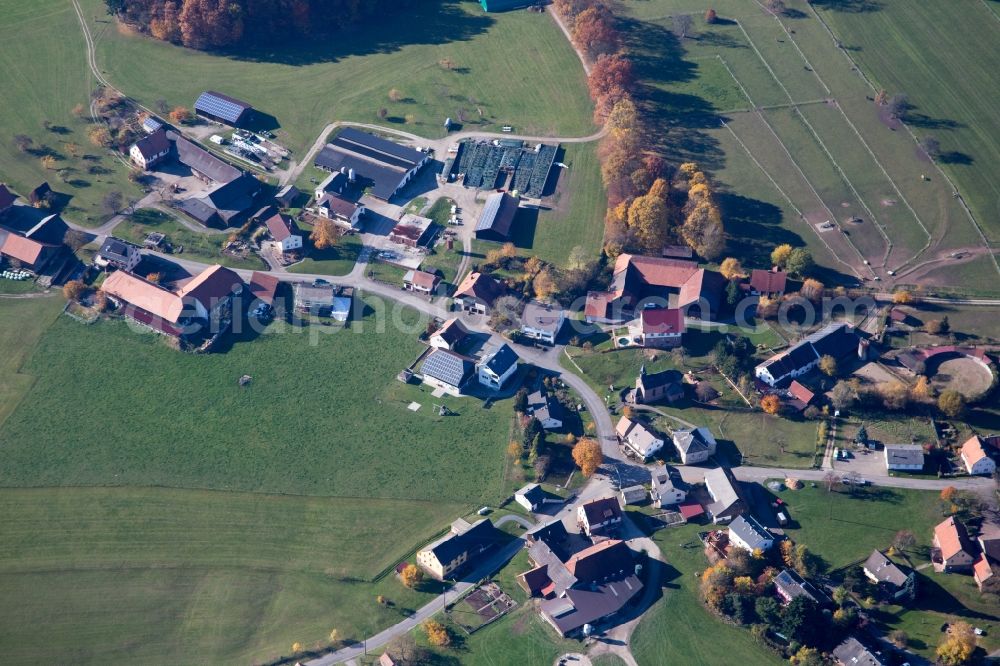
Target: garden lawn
{"type": "Point", "coordinates": [44, 75]}
{"type": "Point", "coordinates": [204, 247]}
{"type": "Point", "coordinates": [678, 629]}
{"type": "Point", "coordinates": [22, 322]}
{"type": "Point", "coordinates": [337, 260]}
{"type": "Point", "coordinates": [509, 68]}
{"type": "Point", "coordinates": [324, 415]}
{"type": "Point", "coordinates": [161, 576]}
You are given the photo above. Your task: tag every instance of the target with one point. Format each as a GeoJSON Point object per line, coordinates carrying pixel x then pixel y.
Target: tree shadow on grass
{"type": "Point", "coordinates": [849, 6]}
{"type": "Point", "coordinates": [676, 122]}
{"type": "Point", "coordinates": [432, 22]}
{"type": "Point", "coordinates": [956, 157]}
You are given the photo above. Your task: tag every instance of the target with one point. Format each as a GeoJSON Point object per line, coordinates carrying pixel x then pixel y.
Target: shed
{"type": "Point", "coordinates": [633, 495]}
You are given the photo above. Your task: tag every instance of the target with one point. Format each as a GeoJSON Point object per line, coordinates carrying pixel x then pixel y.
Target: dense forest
{"type": "Point", "coordinates": [206, 24]}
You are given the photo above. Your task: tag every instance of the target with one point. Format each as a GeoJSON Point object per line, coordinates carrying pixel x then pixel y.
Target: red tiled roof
{"type": "Point", "coordinates": [690, 511]}
{"type": "Point", "coordinates": [280, 227]}
{"type": "Point", "coordinates": [263, 286]}
{"type": "Point", "coordinates": [423, 279]}
{"type": "Point", "coordinates": [768, 282]}
{"type": "Point", "coordinates": [981, 569]}
{"type": "Point", "coordinates": [597, 304]}
{"type": "Point", "coordinates": [951, 538]}
{"type": "Point", "coordinates": [662, 320]}
{"type": "Point", "coordinates": [659, 272]}
{"type": "Point", "coordinates": [480, 286]}
{"type": "Point", "coordinates": [23, 249]}
{"type": "Point", "coordinates": [800, 392]}
{"type": "Point", "coordinates": [973, 450]}
{"type": "Point", "coordinates": [150, 297]}
{"type": "Point", "coordinates": [213, 283]}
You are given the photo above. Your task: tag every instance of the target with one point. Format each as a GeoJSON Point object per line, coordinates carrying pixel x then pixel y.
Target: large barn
{"type": "Point", "coordinates": [383, 165]}
{"type": "Point", "coordinates": [222, 108]}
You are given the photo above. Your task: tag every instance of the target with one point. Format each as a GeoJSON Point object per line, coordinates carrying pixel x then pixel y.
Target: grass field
{"type": "Point", "coordinates": [24, 321]}
{"type": "Point", "coordinates": [338, 260]}
{"type": "Point", "coordinates": [159, 576]}
{"type": "Point", "coordinates": [196, 246]}
{"type": "Point", "coordinates": [576, 212]}
{"type": "Point", "coordinates": [515, 68]}
{"type": "Point", "coordinates": [818, 150]}
{"type": "Point", "coordinates": [917, 49]}
{"type": "Point", "coordinates": [679, 629]}
{"type": "Point", "coordinates": [324, 415]}
{"type": "Point", "coordinates": [44, 76]}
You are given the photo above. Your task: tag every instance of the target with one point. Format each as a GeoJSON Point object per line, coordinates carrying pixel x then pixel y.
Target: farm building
{"type": "Point", "coordinates": [457, 549]}
{"type": "Point", "coordinates": [150, 150]}
{"type": "Point", "coordinates": [228, 205]}
{"type": "Point", "coordinates": [206, 299]}
{"type": "Point", "coordinates": [497, 163]}
{"type": "Point", "coordinates": [413, 231]}
{"type": "Point", "coordinates": [904, 457]}
{"type": "Point", "coordinates": [497, 219]}
{"type": "Point", "coordinates": [28, 235]}
{"type": "Point", "coordinates": [673, 283]}
{"type": "Point", "coordinates": [286, 196]}
{"type": "Point", "coordinates": [444, 369]}
{"type": "Point", "coordinates": [222, 108]}
{"type": "Point", "coordinates": [383, 165]}
{"type": "Point", "coordinates": [836, 339]}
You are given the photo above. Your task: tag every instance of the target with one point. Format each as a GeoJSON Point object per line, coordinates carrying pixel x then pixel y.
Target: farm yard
{"type": "Point", "coordinates": [513, 68]}
{"type": "Point", "coordinates": [779, 114]}
{"type": "Point", "coordinates": [197, 246]}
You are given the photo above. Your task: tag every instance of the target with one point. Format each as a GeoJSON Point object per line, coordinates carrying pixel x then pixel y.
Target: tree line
{"type": "Point", "coordinates": [207, 24]}
{"type": "Point", "coordinates": [650, 204]}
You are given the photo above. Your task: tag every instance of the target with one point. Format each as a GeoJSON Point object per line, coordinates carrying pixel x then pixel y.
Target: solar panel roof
{"type": "Point", "coordinates": [221, 106]}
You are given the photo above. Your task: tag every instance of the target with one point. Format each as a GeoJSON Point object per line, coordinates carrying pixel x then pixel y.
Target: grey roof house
{"type": "Point", "coordinates": [891, 579]}
{"type": "Point", "coordinates": [694, 445]}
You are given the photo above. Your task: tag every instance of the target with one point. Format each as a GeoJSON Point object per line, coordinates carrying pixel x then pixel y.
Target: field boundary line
{"type": "Point", "coordinates": [795, 44]}
{"type": "Point", "coordinates": [847, 181]}
{"type": "Point", "coordinates": [871, 153]}
{"type": "Point", "coordinates": [843, 175]}
{"type": "Point", "coordinates": [791, 203]}
{"type": "Point", "coordinates": [812, 187]}
{"type": "Point", "coordinates": [930, 236]}
{"type": "Point", "coordinates": [987, 5]}
{"type": "Point", "coordinates": [735, 80]}
{"type": "Point", "coordinates": [968, 211]}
